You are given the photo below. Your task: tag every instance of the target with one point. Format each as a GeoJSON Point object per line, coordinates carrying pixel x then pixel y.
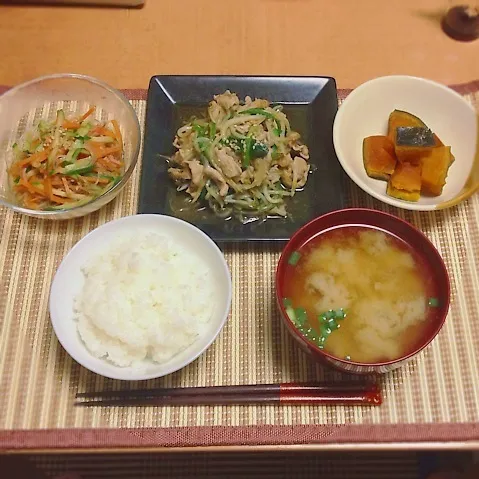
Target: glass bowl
{"type": "Point", "coordinates": [40, 98]}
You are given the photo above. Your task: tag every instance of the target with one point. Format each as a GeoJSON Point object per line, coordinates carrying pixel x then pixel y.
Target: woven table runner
{"type": "Point", "coordinates": [434, 398]}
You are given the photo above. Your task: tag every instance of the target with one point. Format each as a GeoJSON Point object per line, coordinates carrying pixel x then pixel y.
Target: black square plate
{"type": "Point", "coordinates": [310, 103]}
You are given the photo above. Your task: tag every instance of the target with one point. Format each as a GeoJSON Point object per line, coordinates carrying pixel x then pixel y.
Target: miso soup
{"type": "Point", "coordinates": [360, 294]}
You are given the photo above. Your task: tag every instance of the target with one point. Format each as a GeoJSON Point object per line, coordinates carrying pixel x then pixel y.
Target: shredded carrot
{"type": "Point", "coordinates": [109, 151]}
{"type": "Point", "coordinates": [56, 180]}
{"type": "Point", "coordinates": [87, 114]}
{"type": "Point", "coordinates": [59, 200]}
{"type": "Point", "coordinates": [47, 183]}
{"type": "Point", "coordinates": [100, 151]}
{"type": "Point", "coordinates": [103, 131]}
{"type": "Point", "coordinates": [39, 156]}
{"type": "Point", "coordinates": [96, 179]}
{"type": "Point", "coordinates": [31, 188]}
{"type": "Point", "coordinates": [71, 124]}
{"type": "Point", "coordinates": [34, 144]}
{"type": "Point", "coordinates": [106, 164]}
{"type": "Point", "coordinates": [118, 136]}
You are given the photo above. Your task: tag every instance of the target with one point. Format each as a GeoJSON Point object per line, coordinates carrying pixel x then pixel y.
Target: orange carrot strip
{"type": "Point", "coordinates": [31, 188]}
{"type": "Point", "coordinates": [102, 131]}
{"type": "Point", "coordinates": [39, 156]}
{"type": "Point", "coordinates": [59, 200]}
{"type": "Point", "coordinates": [99, 151]}
{"type": "Point", "coordinates": [108, 151]}
{"type": "Point", "coordinates": [47, 183]}
{"type": "Point", "coordinates": [71, 124]}
{"type": "Point", "coordinates": [56, 180]}
{"type": "Point", "coordinates": [87, 114]}
{"type": "Point", "coordinates": [96, 179]}
{"type": "Point", "coordinates": [105, 163]}
{"type": "Point", "coordinates": [34, 189]}
{"type": "Point", "coordinates": [34, 144]}
{"type": "Point", "coordinates": [116, 127]}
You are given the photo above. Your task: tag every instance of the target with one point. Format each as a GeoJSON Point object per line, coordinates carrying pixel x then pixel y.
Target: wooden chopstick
{"type": "Point", "coordinates": [235, 389]}
{"type": "Point", "coordinates": [362, 393]}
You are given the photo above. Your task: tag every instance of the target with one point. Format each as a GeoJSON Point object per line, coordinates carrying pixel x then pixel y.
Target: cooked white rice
{"type": "Point", "coordinates": [146, 297]}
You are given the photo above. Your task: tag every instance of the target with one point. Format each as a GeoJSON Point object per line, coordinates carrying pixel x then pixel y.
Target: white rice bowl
{"type": "Point", "coordinates": [140, 297]}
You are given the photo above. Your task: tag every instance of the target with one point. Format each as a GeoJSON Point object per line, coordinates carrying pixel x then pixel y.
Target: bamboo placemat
{"type": "Point", "coordinates": [433, 398]}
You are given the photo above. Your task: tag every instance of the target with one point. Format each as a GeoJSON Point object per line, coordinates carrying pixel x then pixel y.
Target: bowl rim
{"type": "Point", "coordinates": [135, 154]}
{"type": "Point", "coordinates": [383, 197]}
{"type": "Point", "coordinates": [78, 357]}
{"type": "Point", "coordinates": [321, 352]}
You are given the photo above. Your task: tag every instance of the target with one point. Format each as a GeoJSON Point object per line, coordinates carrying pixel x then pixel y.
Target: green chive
{"type": "Point", "coordinates": [301, 316]}
{"type": "Point", "coordinates": [340, 314]}
{"type": "Point", "coordinates": [287, 303]}
{"type": "Point", "coordinates": [433, 302]}
{"type": "Point", "coordinates": [16, 180]}
{"type": "Point", "coordinates": [212, 130]}
{"type": "Point", "coordinates": [247, 149]}
{"type": "Point", "coordinates": [333, 324]}
{"type": "Point", "coordinates": [294, 258]}
{"type": "Point", "coordinates": [325, 331]}
{"type": "Point", "coordinates": [291, 314]}
{"type": "Point", "coordinates": [330, 314]}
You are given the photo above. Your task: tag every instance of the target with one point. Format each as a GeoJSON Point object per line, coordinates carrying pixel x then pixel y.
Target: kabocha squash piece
{"type": "Point", "coordinates": [405, 182]}
{"type": "Point", "coordinates": [378, 157]}
{"type": "Point", "coordinates": [434, 170]}
{"type": "Point", "coordinates": [412, 143]}
{"type": "Point", "coordinates": [399, 118]}
{"type": "Point", "coordinates": [440, 143]}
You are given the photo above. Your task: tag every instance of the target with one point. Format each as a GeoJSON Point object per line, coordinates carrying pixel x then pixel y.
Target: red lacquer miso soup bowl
{"type": "Point", "coordinates": [362, 290]}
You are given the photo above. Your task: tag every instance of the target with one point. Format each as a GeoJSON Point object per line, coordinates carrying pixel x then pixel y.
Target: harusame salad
{"type": "Point", "coordinates": [67, 162]}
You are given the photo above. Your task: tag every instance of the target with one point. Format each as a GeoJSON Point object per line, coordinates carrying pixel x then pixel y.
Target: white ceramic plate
{"type": "Point", "coordinates": [69, 279]}
{"type": "Point", "coordinates": [366, 110]}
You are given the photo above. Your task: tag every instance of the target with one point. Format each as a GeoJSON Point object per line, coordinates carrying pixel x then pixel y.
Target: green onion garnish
{"type": "Point", "coordinates": [294, 258]}
{"type": "Point", "coordinates": [287, 303]}
{"type": "Point", "coordinates": [332, 324]}
{"type": "Point", "coordinates": [330, 314]}
{"type": "Point", "coordinates": [301, 316]}
{"type": "Point", "coordinates": [433, 302]}
{"type": "Point", "coordinates": [212, 130]}
{"type": "Point", "coordinates": [291, 314]}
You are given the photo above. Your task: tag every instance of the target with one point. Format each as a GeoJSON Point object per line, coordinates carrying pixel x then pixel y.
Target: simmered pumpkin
{"type": "Point", "coordinates": [399, 118]}
{"type": "Point", "coordinates": [411, 157]}
{"type": "Point", "coordinates": [440, 143]}
{"type": "Point", "coordinates": [434, 170]}
{"type": "Point", "coordinates": [405, 182]}
{"type": "Point", "coordinates": [413, 142]}
{"type": "Point", "coordinates": [378, 157]}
